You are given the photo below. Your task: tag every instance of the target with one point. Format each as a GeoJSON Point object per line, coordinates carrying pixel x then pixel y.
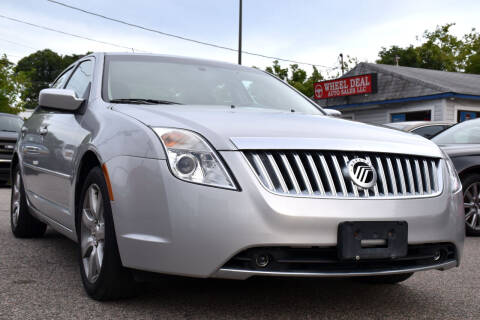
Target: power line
{"type": "Point", "coordinates": [67, 33]}
{"type": "Point", "coordinates": [10, 55]}
{"type": "Point", "coordinates": [18, 44]}
{"type": "Point", "coordinates": [181, 37]}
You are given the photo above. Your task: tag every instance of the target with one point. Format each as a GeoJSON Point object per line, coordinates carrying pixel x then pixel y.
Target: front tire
{"type": "Point", "coordinates": [471, 202]}
{"type": "Point", "coordinates": [103, 275]}
{"type": "Point", "coordinates": [23, 224]}
{"type": "Point", "coordinates": [387, 279]}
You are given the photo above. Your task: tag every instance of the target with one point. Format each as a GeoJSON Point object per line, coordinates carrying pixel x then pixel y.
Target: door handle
{"type": "Point", "coordinates": [43, 131]}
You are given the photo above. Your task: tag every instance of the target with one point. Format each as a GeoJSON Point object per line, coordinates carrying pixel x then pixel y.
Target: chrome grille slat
{"type": "Point", "coordinates": [419, 176]}
{"type": "Point", "coordinates": [333, 190]}
{"type": "Point", "coordinates": [324, 174]}
{"type": "Point", "coordinates": [402, 177]}
{"type": "Point", "coordinates": [375, 187]}
{"type": "Point", "coordinates": [354, 187]}
{"type": "Point", "coordinates": [434, 174]}
{"type": "Point", "coordinates": [339, 175]}
{"type": "Point", "coordinates": [263, 170]}
{"type": "Point", "coordinates": [316, 175]}
{"type": "Point", "coordinates": [278, 173]}
{"type": "Point", "coordinates": [392, 177]}
{"type": "Point", "coordinates": [305, 178]}
{"type": "Point", "coordinates": [381, 173]}
{"type": "Point", "coordinates": [291, 175]}
{"type": "Point", "coordinates": [427, 176]}
{"type": "Point", "coordinates": [411, 183]}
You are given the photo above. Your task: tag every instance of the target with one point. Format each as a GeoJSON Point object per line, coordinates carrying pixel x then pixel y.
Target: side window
{"type": "Point", "coordinates": [429, 131]}
{"type": "Point", "coordinates": [81, 78]}
{"type": "Point", "coordinates": [62, 79]}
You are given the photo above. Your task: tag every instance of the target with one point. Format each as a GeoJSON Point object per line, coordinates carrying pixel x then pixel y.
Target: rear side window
{"type": "Point", "coordinates": [81, 78]}
{"type": "Point", "coordinates": [62, 79]}
{"type": "Point", "coordinates": [429, 131]}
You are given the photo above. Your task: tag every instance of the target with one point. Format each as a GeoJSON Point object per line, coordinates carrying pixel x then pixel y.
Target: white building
{"type": "Point", "coordinates": [408, 94]}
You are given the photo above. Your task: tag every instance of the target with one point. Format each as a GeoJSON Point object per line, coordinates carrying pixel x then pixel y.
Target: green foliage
{"type": "Point", "coordinates": [41, 68]}
{"type": "Point", "coordinates": [10, 88]}
{"type": "Point", "coordinates": [296, 77]}
{"type": "Point", "coordinates": [440, 50]}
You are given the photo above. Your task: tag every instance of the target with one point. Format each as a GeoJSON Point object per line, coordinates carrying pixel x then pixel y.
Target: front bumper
{"type": "Point", "coordinates": [170, 226]}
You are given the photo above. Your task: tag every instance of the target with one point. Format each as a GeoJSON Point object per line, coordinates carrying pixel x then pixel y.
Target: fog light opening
{"type": "Point", "coordinates": [262, 260]}
{"type": "Point", "coordinates": [437, 255]}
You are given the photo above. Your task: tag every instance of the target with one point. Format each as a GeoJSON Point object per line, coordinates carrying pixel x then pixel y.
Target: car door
{"type": "Point", "coordinates": [33, 152]}
{"type": "Point", "coordinates": [58, 137]}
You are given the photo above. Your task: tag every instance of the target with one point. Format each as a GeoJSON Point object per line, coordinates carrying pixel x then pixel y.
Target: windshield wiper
{"type": "Point", "coordinates": [142, 101]}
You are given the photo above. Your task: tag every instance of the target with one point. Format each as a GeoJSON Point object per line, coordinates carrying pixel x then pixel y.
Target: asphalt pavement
{"type": "Point", "coordinates": [39, 279]}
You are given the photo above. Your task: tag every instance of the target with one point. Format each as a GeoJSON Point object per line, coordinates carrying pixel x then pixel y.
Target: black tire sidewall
{"type": "Point", "coordinates": [466, 182]}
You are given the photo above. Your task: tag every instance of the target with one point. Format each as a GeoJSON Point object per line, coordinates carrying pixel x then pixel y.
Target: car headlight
{"type": "Point", "coordinates": [192, 159]}
{"type": "Point", "coordinates": [455, 183]}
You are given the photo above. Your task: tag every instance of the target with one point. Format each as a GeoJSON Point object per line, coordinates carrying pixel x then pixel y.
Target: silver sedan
{"type": "Point", "coordinates": [207, 169]}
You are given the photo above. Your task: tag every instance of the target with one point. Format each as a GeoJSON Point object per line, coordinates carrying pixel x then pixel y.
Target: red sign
{"type": "Point", "coordinates": [349, 86]}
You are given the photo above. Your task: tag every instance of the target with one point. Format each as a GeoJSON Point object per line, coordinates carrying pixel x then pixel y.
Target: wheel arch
{"type": "Point", "coordinates": [13, 164]}
{"type": "Point", "coordinates": [88, 161]}
{"type": "Point", "coordinates": [468, 171]}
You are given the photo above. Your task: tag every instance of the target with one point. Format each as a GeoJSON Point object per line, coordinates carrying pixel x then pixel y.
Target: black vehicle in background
{"type": "Point", "coordinates": [10, 127]}
{"type": "Point", "coordinates": [462, 143]}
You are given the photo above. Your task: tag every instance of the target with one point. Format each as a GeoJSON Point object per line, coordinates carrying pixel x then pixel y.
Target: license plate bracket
{"type": "Point", "coordinates": [361, 240]}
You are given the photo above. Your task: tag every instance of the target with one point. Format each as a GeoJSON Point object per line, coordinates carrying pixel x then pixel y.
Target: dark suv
{"type": "Point", "coordinates": [10, 126]}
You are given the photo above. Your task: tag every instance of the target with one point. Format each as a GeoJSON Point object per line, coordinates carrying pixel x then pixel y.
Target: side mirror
{"type": "Point", "coordinates": [63, 99]}
{"type": "Point", "coordinates": [333, 113]}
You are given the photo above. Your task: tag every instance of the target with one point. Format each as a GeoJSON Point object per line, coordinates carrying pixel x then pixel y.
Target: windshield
{"type": "Point", "coordinates": [195, 82]}
{"type": "Point", "coordinates": [10, 124]}
{"type": "Point", "coordinates": [467, 132]}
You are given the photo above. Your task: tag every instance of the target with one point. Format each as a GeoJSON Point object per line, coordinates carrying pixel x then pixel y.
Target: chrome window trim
{"type": "Point", "coordinates": [59, 174]}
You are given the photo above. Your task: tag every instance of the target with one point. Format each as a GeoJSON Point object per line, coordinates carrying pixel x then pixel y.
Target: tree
{"type": "Point", "coordinates": [440, 50]}
{"type": "Point", "coordinates": [296, 77]}
{"type": "Point", "coordinates": [41, 68]}
{"type": "Point", "coordinates": [10, 88]}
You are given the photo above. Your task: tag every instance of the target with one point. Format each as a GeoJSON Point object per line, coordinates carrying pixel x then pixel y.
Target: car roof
{"type": "Point", "coordinates": [410, 125]}
{"type": "Point", "coordinates": [177, 58]}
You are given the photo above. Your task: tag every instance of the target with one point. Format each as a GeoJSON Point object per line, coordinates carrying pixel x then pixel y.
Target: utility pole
{"type": "Point", "coordinates": [341, 63]}
{"type": "Point", "coordinates": [240, 34]}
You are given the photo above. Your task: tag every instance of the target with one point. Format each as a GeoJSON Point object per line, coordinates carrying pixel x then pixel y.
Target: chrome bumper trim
{"type": "Point", "coordinates": [239, 274]}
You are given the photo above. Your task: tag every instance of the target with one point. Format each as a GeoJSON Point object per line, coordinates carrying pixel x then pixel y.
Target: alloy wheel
{"type": "Point", "coordinates": [472, 206]}
{"type": "Point", "coordinates": [92, 241]}
{"type": "Point", "coordinates": [16, 199]}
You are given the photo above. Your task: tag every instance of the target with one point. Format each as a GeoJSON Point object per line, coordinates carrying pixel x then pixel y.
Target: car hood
{"type": "Point", "coordinates": [8, 136]}
{"type": "Point", "coordinates": [459, 150]}
{"type": "Point", "coordinates": [254, 128]}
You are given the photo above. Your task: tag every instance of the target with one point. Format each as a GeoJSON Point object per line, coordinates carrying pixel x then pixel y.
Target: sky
{"type": "Point", "coordinates": [313, 31]}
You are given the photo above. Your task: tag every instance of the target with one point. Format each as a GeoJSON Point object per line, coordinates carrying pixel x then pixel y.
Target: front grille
{"type": "Point", "coordinates": [325, 259]}
{"type": "Point", "coordinates": [7, 146]}
{"type": "Point", "coordinates": [322, 174]}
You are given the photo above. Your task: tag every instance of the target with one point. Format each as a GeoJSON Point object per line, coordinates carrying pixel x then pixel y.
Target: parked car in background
{"type": "Point", "coordinates": [10, 126]}
{"type": "Point", "coordinates": [201, 168]}
{"type": "Point", "coordinates": [426, 129]}
{"type": "Point", "coordinates": [462, 143]}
